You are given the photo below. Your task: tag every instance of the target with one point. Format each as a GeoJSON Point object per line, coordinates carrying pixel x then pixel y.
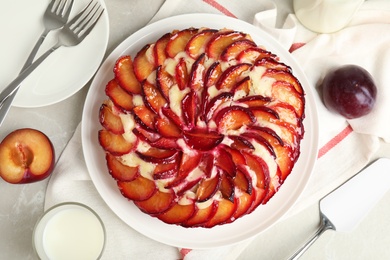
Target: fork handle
{"type": "Point", "coordinates": [14, 85]}
{"type": "Point", "coordinates": [6, 104]}
{"type": "Point", "coordinates": [34, 51]}
{"type": "Point", "coordinates": [325, 225]}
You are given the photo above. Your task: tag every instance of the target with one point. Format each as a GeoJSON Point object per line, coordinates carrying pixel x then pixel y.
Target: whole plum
{"type": "Point", "coordinates": [350, 90]}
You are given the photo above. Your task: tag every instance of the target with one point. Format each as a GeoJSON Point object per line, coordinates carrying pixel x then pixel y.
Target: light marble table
{"type": "Point", "coordinates": [21, 205]}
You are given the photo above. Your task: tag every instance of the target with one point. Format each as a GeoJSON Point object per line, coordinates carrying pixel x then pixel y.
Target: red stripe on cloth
{"type": "Point", "coordinates": [296, 46]}
{"type": "Point", "coordinates": [334, 141]}
{"type": "Point", "coordinates": [184, 252]}
{"type": "Point", "coordinates": [219, 7]}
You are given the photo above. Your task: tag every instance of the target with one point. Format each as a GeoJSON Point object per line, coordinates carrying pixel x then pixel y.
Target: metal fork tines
{"type": "Point", "coordinates": [73, 33]}
{"type": "Point", "coordinates": [56, 15]}
{"type": "Point", "coordinates": [81, 25]}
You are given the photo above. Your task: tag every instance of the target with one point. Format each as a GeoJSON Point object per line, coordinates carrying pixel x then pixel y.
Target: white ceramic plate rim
{"type": "Point", "coordinates": [65, 71]}
{"type": "Point", "coordinates": [243, 228]}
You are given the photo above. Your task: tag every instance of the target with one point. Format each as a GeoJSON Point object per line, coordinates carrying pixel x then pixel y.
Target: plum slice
{"type": "Point", "coordinates": [197, 44]}
{"type": "Point", "coordinates": [157, 203]}
{"type": "Point", "coordinates": [232, 51]}
{"type": "Point", "coordinates": [231, 76]}
{"type": "Point", "coordinates": [113, 143]}
{"type": "Point", "coordinates": [109, 120]}
{"type": "Point", "coordinates": [233, 118]}
{"type": "Point", "coordinates": [124, 74]}
{"type": "Point", "coordinates": [144, 63]}
{"type": "Point", "coordinates": [159, 49]}
{"type": "Point", "coordinates": [119, 171]}
{"type": "Point", "coordinates": [119, 96]}
{"type": "Point", "coordinates": [156, 155]}
{"type": "Point", "coordinates": [202, 140]}
{"type": "Point", "coordinates": [250, 55]}
{"type": "Point", "coordinates": [220, 41]}
{"type": "Point", "coordinates": [207, 188]}
{"type": "Point", "coordinates": [178, 41]}
{"type": "Point", "coordinates": [224, 212]}
{"type": "Point", "coordinates": [177, 214]}
{"type": "Point", "coordinates": [153, 97]}
{"type": "Point", "coordinates": [201, 215]}
{"type": "Point", "coordinates": [139, 189]}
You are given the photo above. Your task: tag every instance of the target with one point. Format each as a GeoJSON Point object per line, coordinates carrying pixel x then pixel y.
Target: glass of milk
{"type": "Point", "coordinates": [69, 231]}
{"type": "Point", "coordinates": [325, 16]}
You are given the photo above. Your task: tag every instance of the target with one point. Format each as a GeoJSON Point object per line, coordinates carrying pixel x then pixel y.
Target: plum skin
{"type": "Point", "coordinates": [350, 90]}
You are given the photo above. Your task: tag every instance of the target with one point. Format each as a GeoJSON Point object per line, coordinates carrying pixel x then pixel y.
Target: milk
{"type": "Point", "coordinates": [70, 231]}
{"type": "Point", "coordinates": [325, 16]}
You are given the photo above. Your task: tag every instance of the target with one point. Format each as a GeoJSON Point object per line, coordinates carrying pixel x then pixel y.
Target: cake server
{"type": "Point", "coordinates": [345, 207]}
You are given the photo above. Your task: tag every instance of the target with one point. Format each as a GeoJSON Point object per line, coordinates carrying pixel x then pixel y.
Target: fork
{"type": "Point", "coordinates": [56, 15]}
{"type": "Point", "coordinates": [73, 33]}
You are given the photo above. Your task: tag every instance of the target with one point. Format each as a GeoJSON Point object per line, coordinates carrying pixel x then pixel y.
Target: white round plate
{"type": "Point", "coordinates": [65, 71]}
{"type": "Point", "coordinates": [223, 235]}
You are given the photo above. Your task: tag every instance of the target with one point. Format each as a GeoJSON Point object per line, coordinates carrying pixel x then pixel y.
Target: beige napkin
{"type": "Point", "coordinates": [345, 146]}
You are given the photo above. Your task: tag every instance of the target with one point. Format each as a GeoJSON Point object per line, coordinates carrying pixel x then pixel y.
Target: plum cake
{"type": "Point", "coordinates": [202, 126]}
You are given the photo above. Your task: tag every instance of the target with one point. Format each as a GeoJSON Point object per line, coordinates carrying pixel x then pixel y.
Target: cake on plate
{"type": "Point", "coordinates": [202, 126]}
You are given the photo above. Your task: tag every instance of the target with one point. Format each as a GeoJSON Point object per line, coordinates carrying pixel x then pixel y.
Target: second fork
{"type": "Point", "coordinates": [72, 34]}
{"type": "Point", "coordinates": [56, 15]}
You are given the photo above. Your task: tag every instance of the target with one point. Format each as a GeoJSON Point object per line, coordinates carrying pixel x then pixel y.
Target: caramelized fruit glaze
{"type": "Point", "coordinates": [202, 126]}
